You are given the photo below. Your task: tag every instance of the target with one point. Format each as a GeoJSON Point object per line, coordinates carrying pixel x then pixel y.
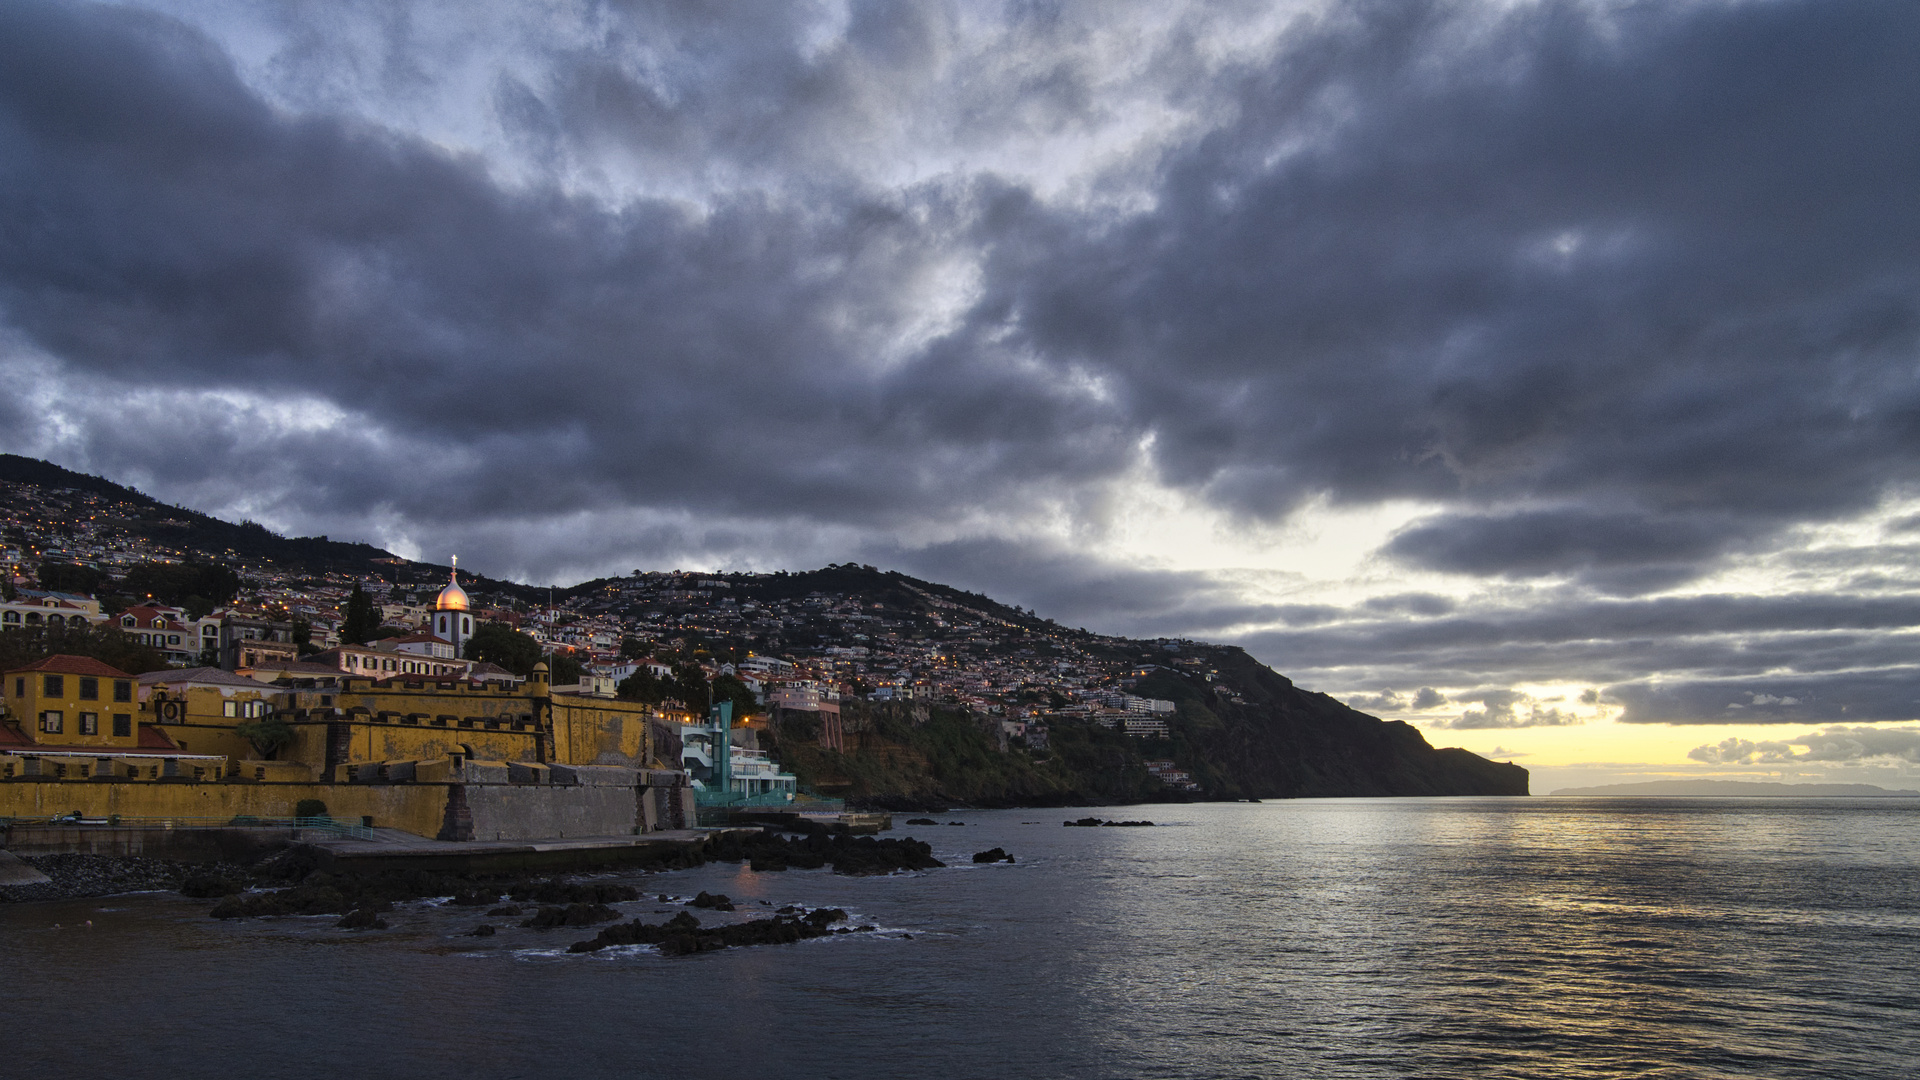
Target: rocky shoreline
{"type": "Point", "coordinates": [291, 880]}
{"type": "Point", "coordinates": [79, 876]}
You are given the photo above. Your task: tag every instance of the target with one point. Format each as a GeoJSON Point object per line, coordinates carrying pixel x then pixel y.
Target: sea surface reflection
{"type": "Point", "coordinates": [1478, 938]}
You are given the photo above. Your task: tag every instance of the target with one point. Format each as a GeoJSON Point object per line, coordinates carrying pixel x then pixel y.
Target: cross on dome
{"type": "Point", "coordinates": [453, 597]}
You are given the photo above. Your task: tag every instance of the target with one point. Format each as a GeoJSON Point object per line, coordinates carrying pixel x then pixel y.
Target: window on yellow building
{"type": "Point", "coordinates": [52, 721]}
{"type": "Point", "coordinates": [89, 723]}
{"type": "Point", "coordinates": [89, 688]}
{"type": "Point", "coordinates": [122, 725]}
{"type": "Point", "coordinates": [230, 708]}
{"type": "Point", "coordinates": [122, 690]}
{"type": "Point", "coordinates": [53, 685]}
{"type": "Point", "coordinates": [20, 687]}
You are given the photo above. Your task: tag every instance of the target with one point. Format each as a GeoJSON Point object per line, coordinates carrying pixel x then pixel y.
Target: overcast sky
{"type": "Point", "coordinates": [1544, 374]}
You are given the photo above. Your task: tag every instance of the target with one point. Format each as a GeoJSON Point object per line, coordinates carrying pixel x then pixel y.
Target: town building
{"type": "Point", "coordinates": [38, 608]}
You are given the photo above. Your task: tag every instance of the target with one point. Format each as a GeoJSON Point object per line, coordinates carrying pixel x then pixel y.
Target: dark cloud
{"type": "Point", "coordinates": [1561, 254]}
{"type": "Point", "coordinates": [1503, 709]}
{"type": "Point", "coordinates": [1859, 696]}
{"type": "Point", "coordinates": [1622, 551]}
{"type": "Point", "coordinates": [1833, 745]}
{"type": "Point", "coordinates": [1387, 701]}
{"type": "Point", "coordinates": [1625, 294]}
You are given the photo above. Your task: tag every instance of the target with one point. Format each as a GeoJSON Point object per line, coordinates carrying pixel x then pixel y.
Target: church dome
{"type": "Point", "coordinates": [453, 597]}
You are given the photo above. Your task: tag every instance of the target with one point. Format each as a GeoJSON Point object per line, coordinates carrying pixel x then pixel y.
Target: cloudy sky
{"type": "Point", "coordinates": [1544, 374]}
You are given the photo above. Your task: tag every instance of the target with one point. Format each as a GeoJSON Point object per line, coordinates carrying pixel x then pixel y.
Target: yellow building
{"type": "Point", "coordinates": [199, 709]}
{"type": "Point", "coordinates": [72, 701]}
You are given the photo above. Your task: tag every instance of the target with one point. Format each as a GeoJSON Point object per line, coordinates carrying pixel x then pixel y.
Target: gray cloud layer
{"type": "Point", "coordinates": [1627, 291]}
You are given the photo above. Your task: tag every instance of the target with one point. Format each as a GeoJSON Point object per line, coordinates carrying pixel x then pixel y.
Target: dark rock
{"type": "Point", "coordinates": [509, 911]}
{"type": "Point", "coordinates": [992, 855]}
{"type": "Point", "coordinates": [1085, 822]}
{"type": "Point", "coordinates": [921, 821]}
{"type": "Point", "coordinates": [956, 823]}
{"type": "Point", "coordinates": [571, 915]}
{"type": "Point", "coordinates": [363, 918]}
{"type": "Point", "coordinates": [706, 899]}
{"type": "Point", "coordinates": [298, 900]}
{"type": "Point", "coordinates": [683, 935]}
{"type": "Point", "coordinates": [848, 854]}
{"type": "Point", "coordinates": [483, 930]}
{"type": "Point", "coordinates": [208, 886]}
{"type": "Point", "coordinates": [475, 897]}
{"type": "Point", "coordinates": [555, 891]}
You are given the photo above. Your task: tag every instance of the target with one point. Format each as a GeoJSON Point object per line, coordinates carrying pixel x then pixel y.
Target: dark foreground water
{"type": "Point", "coordinates": [1528, 938]}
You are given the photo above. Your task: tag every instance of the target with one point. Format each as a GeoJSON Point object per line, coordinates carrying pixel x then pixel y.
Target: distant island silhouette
{"type": "Point", "coordinates": [1740, 789]}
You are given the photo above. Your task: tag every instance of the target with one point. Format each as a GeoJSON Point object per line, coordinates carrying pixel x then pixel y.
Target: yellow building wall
{"type": "Point", "coordinates": [25, 697]}
{"type": "Point", "coordinates": [207, 729]}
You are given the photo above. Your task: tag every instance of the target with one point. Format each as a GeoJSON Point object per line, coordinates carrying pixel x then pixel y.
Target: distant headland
{"type": "Point", "coordinates": [1739, 789]}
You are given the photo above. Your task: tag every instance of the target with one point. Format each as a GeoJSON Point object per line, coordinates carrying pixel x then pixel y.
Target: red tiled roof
{"type": "Point", "coordinates": [152, 738]}
{"type": "Point", "coordinates": [63, 664]}
{"type": "Point", "coordinates": [13, 736]}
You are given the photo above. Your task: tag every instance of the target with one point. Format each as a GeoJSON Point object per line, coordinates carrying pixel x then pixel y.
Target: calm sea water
{"type": "Point", "coordinates": [1531, 938]}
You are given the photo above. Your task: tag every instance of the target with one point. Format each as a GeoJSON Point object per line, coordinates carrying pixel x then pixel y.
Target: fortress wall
{"type": "Point", "coordinates": [416, 808]}
{"type": "Point", "coordinates": [582, 802]}
{"type": "Point", "coordinates": [513, 812]}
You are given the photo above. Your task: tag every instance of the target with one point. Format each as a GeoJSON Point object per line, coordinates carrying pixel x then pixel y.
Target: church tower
{"type": "Point", "coordinates": [452, 617]}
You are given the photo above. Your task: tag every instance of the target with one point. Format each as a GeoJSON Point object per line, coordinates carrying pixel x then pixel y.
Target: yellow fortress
{"type": "Point", "coordinates": [440, 755]}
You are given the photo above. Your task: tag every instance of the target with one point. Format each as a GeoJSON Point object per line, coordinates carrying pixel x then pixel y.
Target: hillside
{"type": "Point", "coordinates": [1276, 741]}
{"type": "Point", "coordinates": [52, 509]}
{"type": "Point", "coordinates": [948, 696]}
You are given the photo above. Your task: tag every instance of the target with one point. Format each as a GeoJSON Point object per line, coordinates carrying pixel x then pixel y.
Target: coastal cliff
{"type": "Point", "coordinates": [1247, 732]}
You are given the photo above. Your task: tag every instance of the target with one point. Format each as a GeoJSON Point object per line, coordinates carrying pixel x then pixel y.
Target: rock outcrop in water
{"type": "Point", "coordinates": [683, 935]}
{"type": "Point", "coordinates": [856, 855]}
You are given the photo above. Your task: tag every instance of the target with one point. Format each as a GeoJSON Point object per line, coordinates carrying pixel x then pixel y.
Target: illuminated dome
{"type": "Point", "coordinates": [453, 597]}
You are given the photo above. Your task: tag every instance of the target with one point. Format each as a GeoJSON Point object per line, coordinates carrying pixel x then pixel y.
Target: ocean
{"type": "Point", "coordinates": [1525, 937]}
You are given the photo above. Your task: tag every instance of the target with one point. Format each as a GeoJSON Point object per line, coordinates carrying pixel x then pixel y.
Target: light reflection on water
{"type": "Point", "coordinates": [1361, 938]}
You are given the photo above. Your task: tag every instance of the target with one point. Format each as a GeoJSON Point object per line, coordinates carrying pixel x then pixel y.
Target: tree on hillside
{"type": "Point", "coordinates": [728, 688]}
{"type": "Point", "coordinates": [501, 644]}
{"type": "Point", "coordinates": [563, 669]}
{"type": "Point", "coordinates": [71, 578]}
{"type": "Point", "coordinates": [199, 587]}
{"type": "Point", "coordinates": [690, 687]}
{"type": "Point", "coordinates": [644, 686]}
{"type": "Point", "coordinates": [362, 620]}
{"type": "Point", "coordinates": [107, 644]}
